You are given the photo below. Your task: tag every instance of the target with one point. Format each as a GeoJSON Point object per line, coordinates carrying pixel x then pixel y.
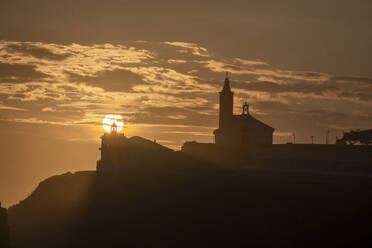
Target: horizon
{"type": "Point", "coordinates": [303, 67]}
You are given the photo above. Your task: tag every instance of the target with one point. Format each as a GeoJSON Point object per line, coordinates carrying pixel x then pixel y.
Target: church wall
{"type": "Point", "coordinates": [250, 136]}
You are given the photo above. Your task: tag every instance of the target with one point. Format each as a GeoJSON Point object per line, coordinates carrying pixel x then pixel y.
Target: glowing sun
{"type": "Point", "coordinates": [111, 119]}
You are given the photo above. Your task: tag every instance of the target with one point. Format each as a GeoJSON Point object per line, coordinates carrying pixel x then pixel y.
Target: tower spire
{"type": "Point", "coordinates": [226, 85]}
{"type": "Point", "coordinates": [226, 103]}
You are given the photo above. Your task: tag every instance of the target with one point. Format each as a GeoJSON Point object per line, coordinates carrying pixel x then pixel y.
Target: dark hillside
{"type": "Point", "coordinates": [211, 208]}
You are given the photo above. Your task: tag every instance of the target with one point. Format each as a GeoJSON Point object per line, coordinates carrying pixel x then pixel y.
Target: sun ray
{"type": "Point", "coordinates": [111, 119]}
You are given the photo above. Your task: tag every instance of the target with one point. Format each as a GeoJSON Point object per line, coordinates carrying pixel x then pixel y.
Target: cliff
{"type": "Point", "coordinates": [195, 208]}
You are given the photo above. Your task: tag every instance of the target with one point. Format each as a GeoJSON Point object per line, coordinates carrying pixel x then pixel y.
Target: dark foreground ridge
{"type": "Point", "coordinates": [186, 202]}
{"type": "Point", "coordinates": [4, 229]}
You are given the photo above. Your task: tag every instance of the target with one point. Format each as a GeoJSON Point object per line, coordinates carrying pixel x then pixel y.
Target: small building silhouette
{"type": "Point", "coordinates": [111, 153]}
{"type": "Point", "coordinates": [119, 153]}
{"type": "Point", "coordinates": [239, 130]}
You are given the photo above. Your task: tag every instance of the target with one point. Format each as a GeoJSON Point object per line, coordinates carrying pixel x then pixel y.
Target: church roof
{"type": "Point", "coordinates": [248, 121]}
{"type": "Point", "coordinates": [142, 143]}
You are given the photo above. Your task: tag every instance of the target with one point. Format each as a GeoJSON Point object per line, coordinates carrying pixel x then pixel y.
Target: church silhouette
{"type": "Point", "coordinates": [239, 130]}
{"type": "Point", "coordinates": [240, 139]}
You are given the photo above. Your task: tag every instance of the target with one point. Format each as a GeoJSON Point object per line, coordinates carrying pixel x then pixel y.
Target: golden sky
{"type": "Point", "coordinates": [303, 67]}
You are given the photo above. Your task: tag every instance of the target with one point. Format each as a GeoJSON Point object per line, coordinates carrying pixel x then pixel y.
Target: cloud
{"type": "Point", "coordinates": [152, 84]}
{"type": "Point", "coordinates": [165, 80]}
{"type": "Point", "coordinates": [250, 62]}
{"type": "Point", "coordinates": [36, 51]}
{"type": "Point", "coordinates": [83, 60]}
{"type": "Point", "coordinates": [49, 109]}
{"type": "Point", "coordinates": [4, 107]}
{"type": "Point", "coordinates": [34, 120]}
{"type": "Point", "coordinates": [195, 49]}
{"type": "Point", "coordinates": [176, 61]}
{"type": "Point", "coordinates": [19, 73]}
{"type": "Point", "coordinates": [330, 89]}
{"type": "Point", "coordinates": [366, 80]}
{"type": "Point", "coordinates": [248, 69]}
{"type": "Point", "coordinates": [177, 117]}
{"type": "Point", "coordinates": [115, 80]}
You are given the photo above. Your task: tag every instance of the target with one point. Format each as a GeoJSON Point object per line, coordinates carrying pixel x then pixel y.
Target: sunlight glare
{"type": "Point", "coordinates": [110, 119]}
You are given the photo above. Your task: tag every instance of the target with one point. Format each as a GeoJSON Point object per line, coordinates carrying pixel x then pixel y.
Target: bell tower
{"type": "Point", "coordinates": [226, 103]}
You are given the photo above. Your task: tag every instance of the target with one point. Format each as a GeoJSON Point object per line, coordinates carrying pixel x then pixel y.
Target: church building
{"type": "Point", "coordinates": [239, 130]}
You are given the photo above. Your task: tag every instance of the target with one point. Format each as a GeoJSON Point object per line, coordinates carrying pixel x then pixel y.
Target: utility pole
{"type": "Point", "coordinates": [327, 136]}
{"type": "Point", "coordinates": [312, 139]}
{"type": "Point", "coordinates": [294, 137]}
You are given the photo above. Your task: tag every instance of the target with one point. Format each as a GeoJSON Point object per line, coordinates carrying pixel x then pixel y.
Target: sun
{"type": "Point", "coordinates": [110, 119]}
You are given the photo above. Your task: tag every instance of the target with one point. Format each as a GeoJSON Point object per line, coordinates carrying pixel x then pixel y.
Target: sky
{"type": "Point", "coordinates": [303, 66]}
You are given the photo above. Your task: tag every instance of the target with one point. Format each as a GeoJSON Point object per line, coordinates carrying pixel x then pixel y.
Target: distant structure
{"type": "Point", "coordinates": [356, 137]}
{"type": "Point", "coordinates": [242, 140]}
{"type": "Point", "coordinates": [239, 130]}
{"type": "Point", "coordinates": [119, 153]}
{"type": "Point", "coordinates": [239, 140]}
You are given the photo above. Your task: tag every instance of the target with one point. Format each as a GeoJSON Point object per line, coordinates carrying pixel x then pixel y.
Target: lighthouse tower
{"type": "Point", "coordinates": [111, 149]}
